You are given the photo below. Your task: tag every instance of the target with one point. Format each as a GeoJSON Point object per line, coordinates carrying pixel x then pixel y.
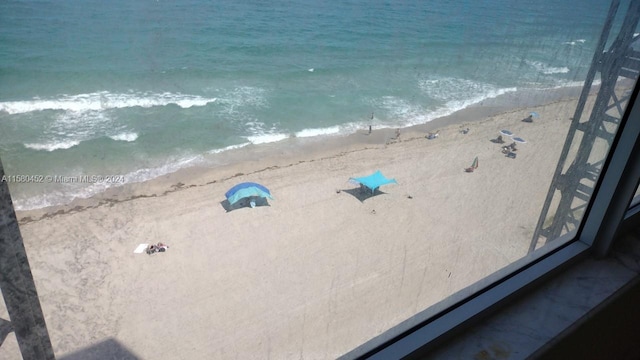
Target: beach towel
{"type": "Point", "coordinates": [141, 248]}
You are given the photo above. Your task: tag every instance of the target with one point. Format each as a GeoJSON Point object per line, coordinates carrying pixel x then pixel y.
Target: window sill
{"type": "Point", "coordinates": [536, 322]}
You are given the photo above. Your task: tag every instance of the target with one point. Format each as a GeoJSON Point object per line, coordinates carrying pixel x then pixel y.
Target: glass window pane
{"type": "Point", "coordinates": [125, 125]}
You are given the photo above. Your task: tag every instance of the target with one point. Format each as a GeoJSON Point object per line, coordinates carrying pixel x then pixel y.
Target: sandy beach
{"type": "Point", "coordinates": [314, 274]}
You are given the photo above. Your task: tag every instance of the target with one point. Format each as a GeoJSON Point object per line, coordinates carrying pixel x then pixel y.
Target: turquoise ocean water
{"type": "Point", "coordinates": [144, 88]}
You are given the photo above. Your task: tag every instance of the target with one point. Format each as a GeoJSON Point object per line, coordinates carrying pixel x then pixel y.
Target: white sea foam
{"type": "Point", "coordinates": [51, 146]}
{"type": "Point", "coordinates": [104, 100]}
{"type": "Point", "coordinates": [333, 130]}
{"type": "Point", "coordinates": [547, 69]}
{"type": "Point", "coordinates": [456, 105]}
{"type": "Point", "coordinates": [243, 96]}
{"type": "Point", "coordinates": [70, 192]}
{"type": "Point", "coordinates": [569, 84]}
{"type": "Point", "coordinates": [230, 147]}
{"type": "Point", "coordinates": [456, 94]}
{"type": "Point", "coordinates": [67, 143]}
{"type": "Point", "coordinates": [79, 124]}
{"type": "Point", "coordinates": [267, 138]}
{"type": "Point", "coordinates": [262, 134]}
{"type": "Point", "coordinates": [70, 128]}
{"type": "Point", "coordinates": [38, 202]}
{"type": "Point", "coordinates": [401, 112]}
{"type": "Point", "coordinates": [172, 165]}
{"type": "Point", "coordinates": [127, 136]}
{"type": "Point", "coordinates": [447, 89]}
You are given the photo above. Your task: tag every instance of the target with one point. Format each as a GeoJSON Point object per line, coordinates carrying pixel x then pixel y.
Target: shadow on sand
{"type": "Point", "coordinates": [363, 195]}
{"type": "Point", "coordinates": [107, 349]}
{"type": "Point", "coordinates": [244, 203]}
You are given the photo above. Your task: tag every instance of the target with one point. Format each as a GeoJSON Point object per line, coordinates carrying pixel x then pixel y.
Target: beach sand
{"type": "Point", "coordinates": [313, 275]}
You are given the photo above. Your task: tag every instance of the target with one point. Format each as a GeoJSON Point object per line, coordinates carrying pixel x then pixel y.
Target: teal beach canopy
{"type": "Point", "coordinates": [373, 181]}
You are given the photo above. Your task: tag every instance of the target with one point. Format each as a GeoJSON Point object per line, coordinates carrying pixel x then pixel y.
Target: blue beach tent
{"type": "Point", "coordinates": [373, 181]}
{"type": "Point", "coordinates": [246, 189]}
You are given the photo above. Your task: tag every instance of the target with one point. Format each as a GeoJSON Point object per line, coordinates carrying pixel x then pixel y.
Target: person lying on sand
{"type": "Point", "coordinates": [160, 247]}
{"type": "Point", "coordinates": [509, 148]}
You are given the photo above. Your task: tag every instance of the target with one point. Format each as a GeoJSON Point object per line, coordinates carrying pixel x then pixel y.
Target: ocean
{"type": "Point", "coordinates": [140, 89]}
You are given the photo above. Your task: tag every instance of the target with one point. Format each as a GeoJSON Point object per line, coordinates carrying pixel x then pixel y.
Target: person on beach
{"type": "Point", "coordinates": [528, 119]}
{"type": "Point", "coordinates": [370, 125]}
{"type": "Point", "coordinates": [397, 133]}
{"type": "Point", "coordinates": [160, 247]}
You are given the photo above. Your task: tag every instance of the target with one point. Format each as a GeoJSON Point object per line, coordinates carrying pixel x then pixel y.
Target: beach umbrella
{"type": "Point", "coordinates": [245, 190]}
{"type": "Point", "coordinates": [519, 140]}
{"type": "Point", "coordinates": [534, 114]}
{"type": "Point", "coordinates": [506, 133]}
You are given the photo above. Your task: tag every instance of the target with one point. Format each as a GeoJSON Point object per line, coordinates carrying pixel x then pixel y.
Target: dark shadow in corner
{"type": "Point", "coordinates": [363, 195]}
{"type": "Point", "coordinates": [5, 329]}
{"type": "Point", "coordinates": [107, 349]}
{"type": "Point", "coordinates": [244, 203]}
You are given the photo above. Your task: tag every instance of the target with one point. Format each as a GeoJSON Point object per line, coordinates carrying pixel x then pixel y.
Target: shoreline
{"type": "Point", "coordinates": [292, 151]}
